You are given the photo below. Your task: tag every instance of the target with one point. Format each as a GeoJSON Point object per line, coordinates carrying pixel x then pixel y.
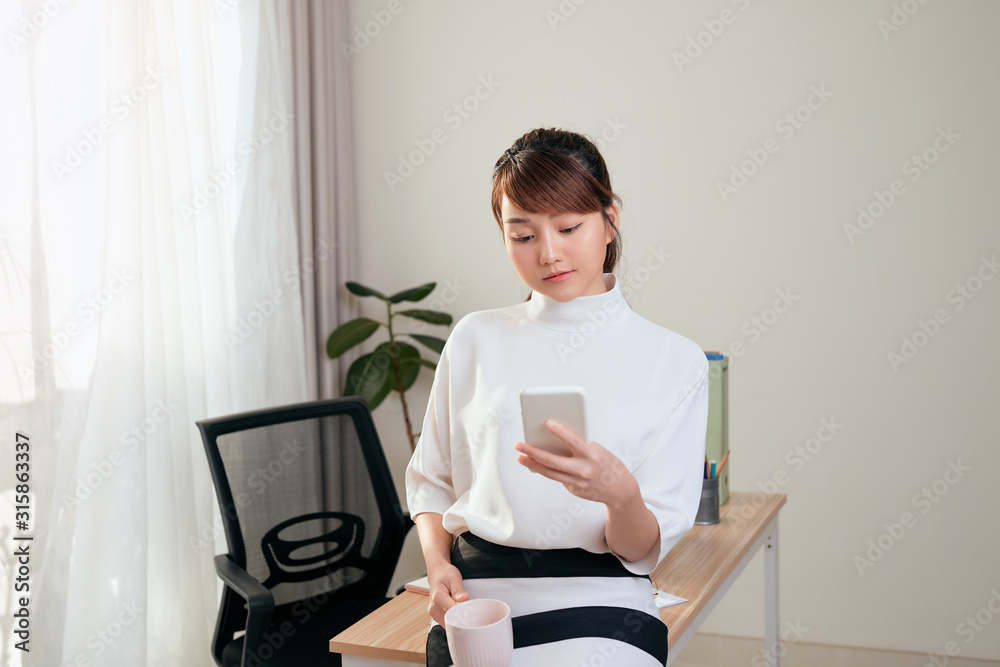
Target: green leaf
{"type": "Point", "coordinates": [361, 290]}
{"type": "Point", "coordinates": [431, 316]}
{"type": "Point", "coordinates": [408, 358]}
{"type": "Point", "coordinates": [349, 334]}
{"type": "Point", "coordinates": [383, 391]}
{"type": "Point", "coordinates": [413, 294]}
{"type": "Point", "coordinates": [431, 342]}
{"type": "Point", "coordinates": [430, 364]}
{"type": "Point", "coordinates": [368, 377]}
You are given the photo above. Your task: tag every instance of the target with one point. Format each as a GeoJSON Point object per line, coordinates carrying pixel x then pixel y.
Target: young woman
{"type": "Point", "coordinates": [567, 542]}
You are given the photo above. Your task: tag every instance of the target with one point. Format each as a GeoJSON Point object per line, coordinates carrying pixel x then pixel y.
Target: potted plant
{"type": "Point", "coordinates": [395, 364]}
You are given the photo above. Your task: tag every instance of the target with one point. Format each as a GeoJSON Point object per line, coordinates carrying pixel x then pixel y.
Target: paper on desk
{"type": "Point", "coordinates": [662, 598]}
{"type": "Point", "coordinates": [666, 599]}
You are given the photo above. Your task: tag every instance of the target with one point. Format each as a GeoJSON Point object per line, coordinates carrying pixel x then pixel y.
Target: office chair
{"type": "Point", "coordinates": [313, 525]}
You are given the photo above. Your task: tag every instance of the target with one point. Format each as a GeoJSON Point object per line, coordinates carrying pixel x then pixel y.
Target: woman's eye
{"type": "Point", "coordinates": [525, 239]}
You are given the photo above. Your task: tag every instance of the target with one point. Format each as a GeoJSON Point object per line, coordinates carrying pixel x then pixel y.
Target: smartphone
{"type": "Point", "coordinates": [564, 404]}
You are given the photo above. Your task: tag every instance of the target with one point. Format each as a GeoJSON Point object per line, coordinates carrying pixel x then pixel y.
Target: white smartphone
{"type": "Point", "coordinates": [564, 404]}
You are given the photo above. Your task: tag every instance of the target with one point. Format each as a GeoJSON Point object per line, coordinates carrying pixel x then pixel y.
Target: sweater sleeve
{"type": "Point", "coordinates": [428, 479]}
{"type": "Point", "coordinates": [670, 478]}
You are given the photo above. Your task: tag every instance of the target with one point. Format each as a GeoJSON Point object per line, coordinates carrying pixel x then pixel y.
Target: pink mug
{"type": "Point", "coordinates": [479, 633]}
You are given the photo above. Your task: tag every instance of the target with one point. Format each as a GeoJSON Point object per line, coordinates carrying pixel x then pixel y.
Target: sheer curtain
{"type": "Point", "coordinates": [150, 269]}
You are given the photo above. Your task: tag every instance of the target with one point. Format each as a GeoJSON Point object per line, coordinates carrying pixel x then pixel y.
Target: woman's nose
{"type": "Point", "coordinates": [548, 248]}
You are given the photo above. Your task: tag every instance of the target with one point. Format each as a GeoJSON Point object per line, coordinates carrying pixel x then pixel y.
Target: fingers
{"type": "Point", "coordinates": [446, 594]}
{"type": "Point", "coordinates": [545, 458]}
{"type": "Point", "coordinates": [455, 589]}
{"type": "Point", "coordinates": [572, 440]}
{"type": "Point", "coordinates": [439, 605]}
{"type": "Point", "coordinates": [542, 469]}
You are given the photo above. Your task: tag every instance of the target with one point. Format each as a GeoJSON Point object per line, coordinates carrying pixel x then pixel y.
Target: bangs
{"type": "Point", "coordinates": [540, 180]}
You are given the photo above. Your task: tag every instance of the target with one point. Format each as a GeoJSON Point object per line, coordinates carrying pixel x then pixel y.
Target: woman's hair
{"type": "Point", "coordinates": [555, 171]}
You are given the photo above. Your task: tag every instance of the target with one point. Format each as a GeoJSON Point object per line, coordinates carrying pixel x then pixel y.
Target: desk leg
{"type": "Point", "coordinates": [771, 595]}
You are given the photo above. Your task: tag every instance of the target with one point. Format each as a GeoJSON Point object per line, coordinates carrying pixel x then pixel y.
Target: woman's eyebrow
{"type": "Point", "coordinates": [515, 221]}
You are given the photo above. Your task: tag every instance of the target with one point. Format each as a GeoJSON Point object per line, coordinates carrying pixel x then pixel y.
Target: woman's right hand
{"type": "Point", "coordinates": [445, 584]}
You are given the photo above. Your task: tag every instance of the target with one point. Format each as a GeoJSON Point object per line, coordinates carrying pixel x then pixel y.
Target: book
{"type": "Point", "coordinates": [420, 585]}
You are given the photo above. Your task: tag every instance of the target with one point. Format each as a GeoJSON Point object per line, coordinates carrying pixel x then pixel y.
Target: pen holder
{"type": "Point", "coordinates": [708, 509]}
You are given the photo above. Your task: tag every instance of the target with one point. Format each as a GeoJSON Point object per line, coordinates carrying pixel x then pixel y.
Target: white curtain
{"type": "Point", "coordinates": [150, 270]}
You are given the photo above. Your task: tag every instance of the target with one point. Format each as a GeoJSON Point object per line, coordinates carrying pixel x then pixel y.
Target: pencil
{"type": "Point", "coordinates": [718, 471]}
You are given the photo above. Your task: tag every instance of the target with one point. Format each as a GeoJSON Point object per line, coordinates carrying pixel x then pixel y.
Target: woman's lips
{"type": "Point", "coordinates": [559, 277]}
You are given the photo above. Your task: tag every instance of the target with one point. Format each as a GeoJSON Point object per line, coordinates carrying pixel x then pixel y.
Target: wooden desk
{"type": "Point", "coordinates": [701, 568]}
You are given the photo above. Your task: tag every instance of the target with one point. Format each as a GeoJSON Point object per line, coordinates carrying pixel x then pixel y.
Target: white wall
{"type": "Point", "coordinates": [680, 132]}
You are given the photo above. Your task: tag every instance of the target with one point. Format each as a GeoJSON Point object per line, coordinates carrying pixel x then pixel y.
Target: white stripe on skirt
{"type": "Point", "coordinates": [536, 594]}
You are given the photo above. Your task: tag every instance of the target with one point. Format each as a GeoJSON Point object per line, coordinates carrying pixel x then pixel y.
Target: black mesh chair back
{"type": "Point", "coordinates": [309, 511]}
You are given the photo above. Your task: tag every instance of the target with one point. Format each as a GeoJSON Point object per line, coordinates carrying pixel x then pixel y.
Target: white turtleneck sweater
{"type": "Point", "coordinates": [646, 402]}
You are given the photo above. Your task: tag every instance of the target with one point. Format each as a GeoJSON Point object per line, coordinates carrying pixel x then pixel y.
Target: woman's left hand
{"type": "Point", "coordinates": [591, 472]}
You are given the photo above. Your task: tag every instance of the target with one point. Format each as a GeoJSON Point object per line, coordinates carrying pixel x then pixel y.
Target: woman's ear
{"type": "Point", "coordinates": [611, 213]}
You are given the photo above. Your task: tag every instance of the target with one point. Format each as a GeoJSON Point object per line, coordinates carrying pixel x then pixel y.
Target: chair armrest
{"type": "Point", "coordinates": [260, 601]}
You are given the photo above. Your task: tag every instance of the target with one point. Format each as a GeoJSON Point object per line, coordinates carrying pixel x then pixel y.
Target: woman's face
{"type": "Point", "coordinates": [560, 255]}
